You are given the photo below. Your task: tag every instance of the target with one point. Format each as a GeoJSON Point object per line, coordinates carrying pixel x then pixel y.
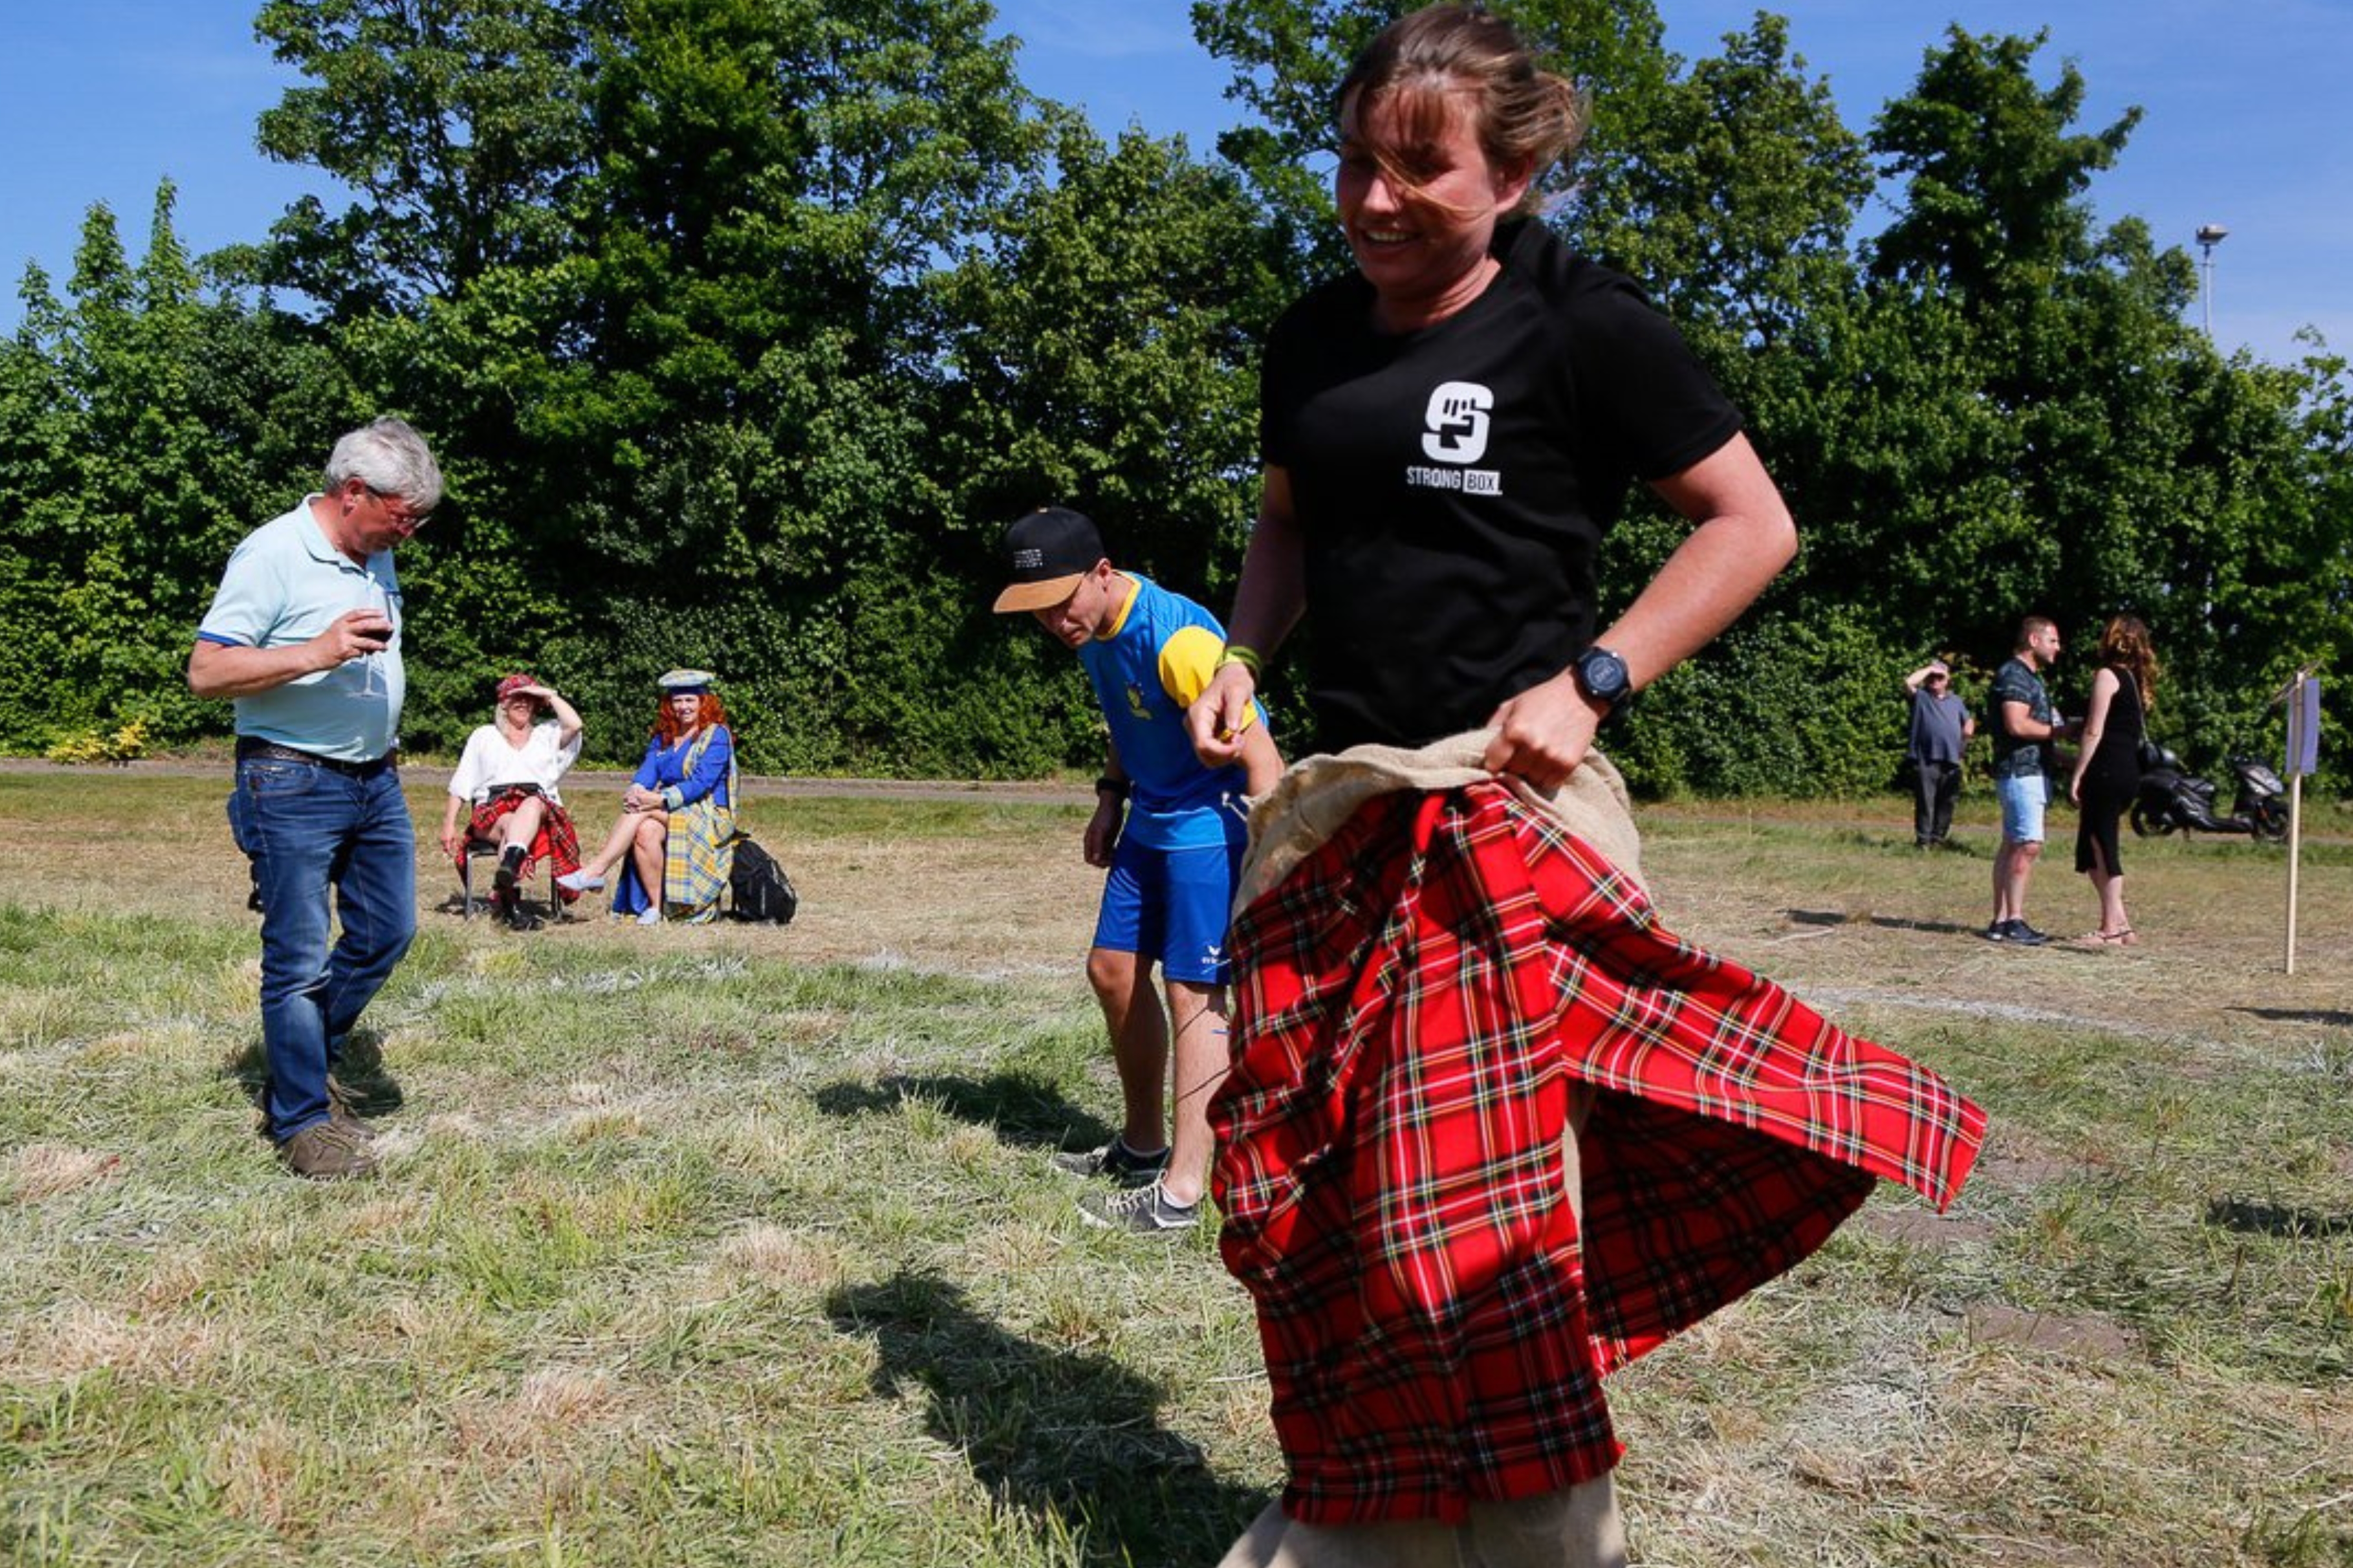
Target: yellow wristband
{"type": "Point", "coordinates": [1246, 657]}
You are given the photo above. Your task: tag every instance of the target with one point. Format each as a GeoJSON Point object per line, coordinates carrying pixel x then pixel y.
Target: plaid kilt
{"type": "Point", "coordinates": [698, 854]}
{"type": "Point", "coordinates": [556, 839]}
{"type": "Point", "coordinates": [1412, 1005]}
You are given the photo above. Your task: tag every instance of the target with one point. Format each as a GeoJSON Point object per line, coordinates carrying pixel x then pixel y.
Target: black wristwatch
{"type": "Point", "coordinates": [1601, 676]}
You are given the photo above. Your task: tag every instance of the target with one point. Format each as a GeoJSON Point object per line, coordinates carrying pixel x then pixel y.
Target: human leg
{"type": "Point", "coordinates": [1578, 1528]}
{"type": "Point", "coordinates": [376, 897]}
{"type": "Point", "coordinates": [2021, 800]}
{"type": "Point", "coordinates": [516, 831]}
{"type": "Point", "coordinates": [1201, 1052]}
{"type": "Point", "coordinates": [649, 855]}
{"type": "Point", "coordinates": [1196, 895]}
{"type": "Point", "coordinates": [296, 820]}
{"type": "Point", "coordinates": [1924, 803]}
{"type": "Point", "coordinates": [518, 827]}
{"type": "Point", "coordinates": [599, 866]}
{"type": "Point", "coordinates": [2108, 888]}
{"type": "Point", "coordinates": [1948, 791]}
{"type": "Point", "coordinates": [1130, 929]}
{"type": "Point", "coordinates": [1139, 1043]}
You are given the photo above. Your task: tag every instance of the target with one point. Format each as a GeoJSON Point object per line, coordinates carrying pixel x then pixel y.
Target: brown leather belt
{"type": "Point", "coordinates": [251, 749]}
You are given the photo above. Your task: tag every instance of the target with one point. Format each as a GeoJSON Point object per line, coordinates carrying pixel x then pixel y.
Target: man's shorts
{"type": "Point", "coordinates": [1171, 905]}
{"type": "Point", "coordinates": [2022, 799]}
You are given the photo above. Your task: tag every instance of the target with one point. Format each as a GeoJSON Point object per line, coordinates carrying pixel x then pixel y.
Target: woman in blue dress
{"type": "Point", "coordinates": [675, 842]}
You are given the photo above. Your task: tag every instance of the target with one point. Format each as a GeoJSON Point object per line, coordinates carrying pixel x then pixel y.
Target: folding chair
{"type": "Point", "coordinates": [487, 849]}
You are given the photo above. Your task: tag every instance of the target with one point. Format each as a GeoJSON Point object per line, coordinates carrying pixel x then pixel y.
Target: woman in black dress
{"type": "Point", "coordinates": [2107, 769]}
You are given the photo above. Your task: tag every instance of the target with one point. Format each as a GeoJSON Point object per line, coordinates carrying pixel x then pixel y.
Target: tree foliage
{"type": "Point", "coordinates": [742, 326]}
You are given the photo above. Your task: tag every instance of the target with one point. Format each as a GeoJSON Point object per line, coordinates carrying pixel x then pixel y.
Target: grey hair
{"type": "Point", "coordinates": [391, 458]}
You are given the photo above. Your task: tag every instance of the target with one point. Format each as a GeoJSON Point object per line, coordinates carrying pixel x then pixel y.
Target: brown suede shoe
{"type": "Point", "coordinates": [327, 1152]}
{"type": "Point", "coordinates": [342, 1110]}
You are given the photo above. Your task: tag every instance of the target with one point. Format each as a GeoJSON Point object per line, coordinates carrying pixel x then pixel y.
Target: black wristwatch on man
{"type": "Point", "coordinates": [1601, 676]}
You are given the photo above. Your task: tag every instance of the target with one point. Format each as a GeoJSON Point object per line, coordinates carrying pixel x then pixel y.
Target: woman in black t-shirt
{"type": "Point", "coordinates": [1446, 438]}
{"type": "Point", "coordinates": [1449, 433]}
{"type": "Point", "coordinates": [2107, 769]}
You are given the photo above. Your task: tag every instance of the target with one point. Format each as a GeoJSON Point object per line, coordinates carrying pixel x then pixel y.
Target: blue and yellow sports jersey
{"type": "Point", "coordinates": [1159, 656]}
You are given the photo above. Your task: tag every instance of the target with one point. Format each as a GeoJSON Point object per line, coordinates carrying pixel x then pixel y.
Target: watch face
{"type": "Point", "coordinates": [1603, 674]}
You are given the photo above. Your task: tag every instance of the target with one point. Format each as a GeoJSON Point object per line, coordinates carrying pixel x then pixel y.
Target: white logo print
{"type": "Point", "coordinates": [1457, 418]}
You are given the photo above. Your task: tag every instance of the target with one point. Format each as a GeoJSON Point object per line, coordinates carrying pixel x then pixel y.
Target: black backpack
{"type": "Point", "coordinates": [759, 889]}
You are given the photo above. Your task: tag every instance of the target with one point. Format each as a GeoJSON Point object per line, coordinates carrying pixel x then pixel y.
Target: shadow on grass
{"type": "Point", "coordinates": [2334, 1020]}
{"type": "Point", "coordinates": [1025, 1109]}
{"type": "Point", "coordinates": [1884, 922]}
{"type": "Point", "coordinates": [2276, 1219]}
{"type": "Point", "coordinates": [369, 1089]}
{"type": "Point", "coordinates": [1055, 1435]}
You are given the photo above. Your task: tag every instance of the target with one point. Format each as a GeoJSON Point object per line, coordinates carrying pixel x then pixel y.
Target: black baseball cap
{"type": "Point", "coordinates": [1048, 552]}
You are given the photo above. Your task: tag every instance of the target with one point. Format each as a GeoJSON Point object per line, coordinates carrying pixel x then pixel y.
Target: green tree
{"type": "Point", "coordinates": [459, 124]}
{"type": "Point", "coordinates": [1105, 354]}
{"type": "Point", "coordinates": [144, 426]}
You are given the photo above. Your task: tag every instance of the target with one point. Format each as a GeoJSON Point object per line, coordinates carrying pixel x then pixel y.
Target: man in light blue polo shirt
{"type": "Point", "coordinates": [305, 635]}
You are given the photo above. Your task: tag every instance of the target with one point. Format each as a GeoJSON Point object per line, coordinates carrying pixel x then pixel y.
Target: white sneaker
{"type": "Point", "coordinates": [579, 882]}
{"type": "Point", "coordinates": [651, 915]}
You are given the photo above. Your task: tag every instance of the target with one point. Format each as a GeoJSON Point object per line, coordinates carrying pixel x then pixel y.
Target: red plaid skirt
{"type": "Point", "coordinates": [1412, 1005]}
{"type": "Point", "coordinates": [556, 839]}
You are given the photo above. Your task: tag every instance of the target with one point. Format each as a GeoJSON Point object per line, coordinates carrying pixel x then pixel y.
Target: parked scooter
{"type": "Point", "coordinates": [2172, 800]}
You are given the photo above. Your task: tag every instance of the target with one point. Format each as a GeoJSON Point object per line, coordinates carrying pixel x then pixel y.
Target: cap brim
{"type": "Point", "coordinates": [1037, 596]}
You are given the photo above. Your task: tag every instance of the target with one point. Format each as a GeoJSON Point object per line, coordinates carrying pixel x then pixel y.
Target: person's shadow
{"type": "Point", "coordinates": [370, 1086]}
{"type": "Point", "coordinates": [1025, 1111]}
{"type": "Point", "coordinates": [1069, 1441]}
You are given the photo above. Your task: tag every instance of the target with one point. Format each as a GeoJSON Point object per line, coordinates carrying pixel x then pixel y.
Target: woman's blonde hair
{"type": "Point", "coordinates": [1526, 117]}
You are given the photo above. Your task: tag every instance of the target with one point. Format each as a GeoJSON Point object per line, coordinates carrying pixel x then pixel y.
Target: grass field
{"type": "Point", "coordinates": [739, 1245]}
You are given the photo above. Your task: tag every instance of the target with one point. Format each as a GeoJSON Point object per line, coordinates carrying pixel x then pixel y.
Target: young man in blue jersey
{"type": "Point", "coordinates": [1170, 832]}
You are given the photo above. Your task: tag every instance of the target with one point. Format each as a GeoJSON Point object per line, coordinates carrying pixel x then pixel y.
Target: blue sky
{"type": "Point", "coordinates": [2248, 123]}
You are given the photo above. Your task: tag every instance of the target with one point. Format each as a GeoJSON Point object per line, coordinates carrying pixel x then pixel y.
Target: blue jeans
{"type": "Point", "coordinates": [309, 829]}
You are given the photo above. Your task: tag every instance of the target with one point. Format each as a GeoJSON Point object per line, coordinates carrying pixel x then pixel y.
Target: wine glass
{"type": "Point", "coordinates": [373, 682]}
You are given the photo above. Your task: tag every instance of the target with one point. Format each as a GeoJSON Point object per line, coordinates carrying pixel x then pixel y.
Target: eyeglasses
{"type": "Point", "coordinates": [397, 511]}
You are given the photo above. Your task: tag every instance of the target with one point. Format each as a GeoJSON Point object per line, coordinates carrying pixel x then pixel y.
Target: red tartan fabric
{"type": "Point", "coordinates": [556, 839]}
{"type": "Point", "coordinates": [1412, 1005]}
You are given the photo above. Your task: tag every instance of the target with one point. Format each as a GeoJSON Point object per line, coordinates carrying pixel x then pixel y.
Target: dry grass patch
{"type": "Point", "coordinates": [783, 1258]}
{"type": "Point", "coordinates": [41, 1171]}
{"type": "Point", "coordinates": [166, 1347]}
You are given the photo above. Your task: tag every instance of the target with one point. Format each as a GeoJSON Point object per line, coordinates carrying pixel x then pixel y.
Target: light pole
{"type": "Point", "coordinates": [2209, 235]}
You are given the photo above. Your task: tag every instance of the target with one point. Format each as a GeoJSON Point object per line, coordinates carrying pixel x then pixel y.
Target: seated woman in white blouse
{"type": "Point", "coordinates": [507, 777]}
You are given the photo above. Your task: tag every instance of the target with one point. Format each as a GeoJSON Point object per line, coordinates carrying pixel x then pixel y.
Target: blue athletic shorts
{"type": "Point", "coordinates": [2023, 797]}
{"type": "Point", "coordinates": [1170, 905]}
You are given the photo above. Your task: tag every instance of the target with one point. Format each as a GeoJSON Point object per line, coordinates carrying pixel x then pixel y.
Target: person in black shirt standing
{"type": "Point", "coordinates": [2107, 769]}
{"type": "Point", "coordinates": [1448, 435]}
{"type": "Point", "coordinates": [2026, 733]}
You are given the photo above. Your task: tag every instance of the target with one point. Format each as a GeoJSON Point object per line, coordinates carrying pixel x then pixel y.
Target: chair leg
{"type": "Point", "coordinates": [466, 884]}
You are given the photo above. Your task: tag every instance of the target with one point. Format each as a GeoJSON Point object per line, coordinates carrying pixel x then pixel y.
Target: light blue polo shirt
{"type": "Point", "coordinates": [284, 584]}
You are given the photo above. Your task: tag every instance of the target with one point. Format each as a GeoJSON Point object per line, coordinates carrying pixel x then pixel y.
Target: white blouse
{"type": "Point", "coordinates": [490, 763]}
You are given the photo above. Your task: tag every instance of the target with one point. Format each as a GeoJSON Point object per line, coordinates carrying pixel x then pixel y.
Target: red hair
{"type": "Point", "coordinates": [666, 726]}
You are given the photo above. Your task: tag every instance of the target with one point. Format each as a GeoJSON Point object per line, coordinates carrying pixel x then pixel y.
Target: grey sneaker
{"type": "Point", "coordinates": [328, 1151]}
{"type": "Point", "coordinates": [1116, 1162]}
{"type": "Point", "coordinates": [1145, 1209]}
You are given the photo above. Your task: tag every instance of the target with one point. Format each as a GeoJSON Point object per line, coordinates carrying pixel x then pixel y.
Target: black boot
{"type": "Point", "coordinates": [504, 900]}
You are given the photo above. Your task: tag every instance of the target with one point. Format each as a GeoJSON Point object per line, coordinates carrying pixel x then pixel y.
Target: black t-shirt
{"type": "Point", "coordinates": [1452, 485]}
